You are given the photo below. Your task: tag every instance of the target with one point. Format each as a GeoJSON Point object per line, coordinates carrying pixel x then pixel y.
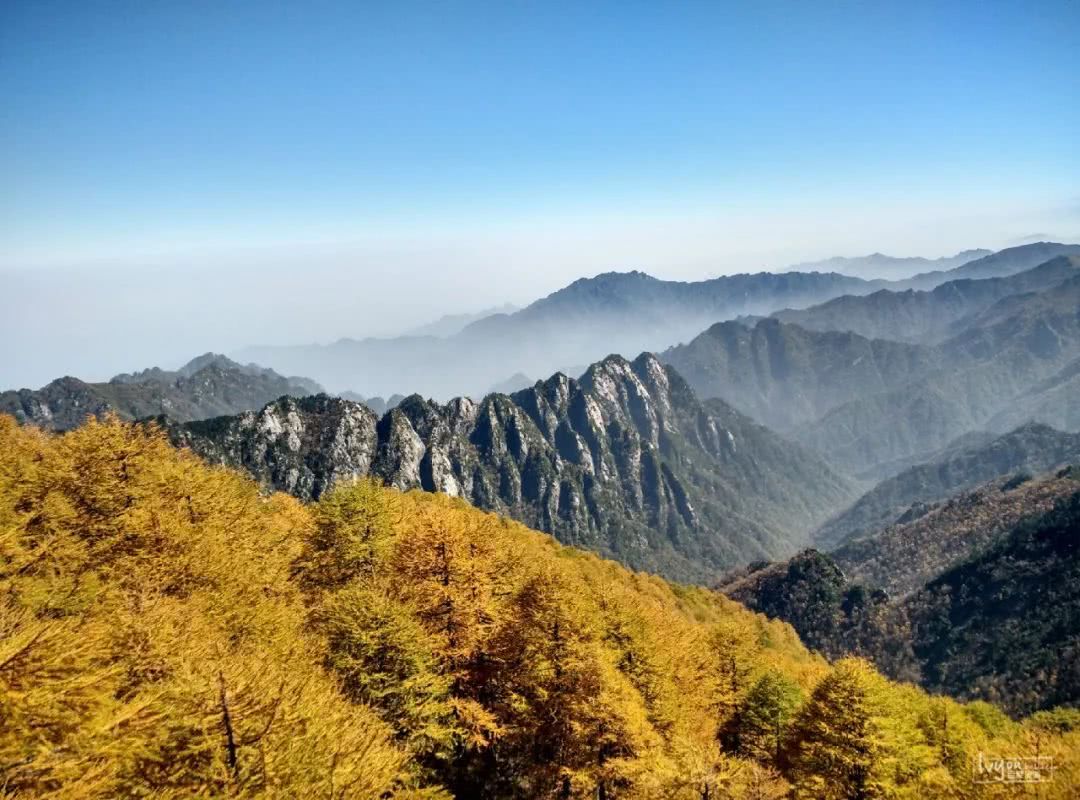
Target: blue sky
{"type": "Point", "coordinates": [527, 143]}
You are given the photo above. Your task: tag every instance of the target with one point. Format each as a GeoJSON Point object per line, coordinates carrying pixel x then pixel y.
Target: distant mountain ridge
{"type": "Point", "coordinates": [874, 406]}
{"type": "Point", "coordinates": [612, 312]}
{"type": "Point", "coordinates": [623, 312]}
{"type": "Point", "coordinates": [928, 316]}
{"type": "Point", "coordinates": [881, 266]}
{"type": "Point", "coordinates": [206, 386]}
{"type": "Point", "coordinates": [451, 324]}
{"type": "Point", "coordinates": [625, 461]}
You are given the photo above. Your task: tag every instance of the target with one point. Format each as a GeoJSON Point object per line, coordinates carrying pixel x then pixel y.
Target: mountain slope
{"type": "Point", "coordinates": [1054, 401]}
{"type": "Point", "coordinates": [786, 376]}
{"type": "Point", "coordinates": [1031, 448]}
{"type": "Point", "coordinates": [929, 539]}
{"type": "Point", "coordinates": [1004, 351]}
{"type": "Point", "coordinates": [207, 386]}
{"type": "Point", "coordinates": [625, 461]}
{"type": "Point", "coordinates": [1005, 626]}
{"type": "Point", "coordinates": [985, 604]}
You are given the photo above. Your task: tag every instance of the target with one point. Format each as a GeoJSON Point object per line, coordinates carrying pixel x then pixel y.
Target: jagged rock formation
{"type": "Point", "coordinates": [207, 386]}
{"type": "Point", "coordinates": [1032, 448]}
{"type": "Point", "coordinates": [625, 461]}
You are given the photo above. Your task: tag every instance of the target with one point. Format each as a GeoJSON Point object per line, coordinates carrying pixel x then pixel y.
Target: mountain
{"type": "Point", "coordinates": [207, 386]}
{"type": "Point", "coordinates": [1054, 401]}
{"type": "Point", "coordinates": [514, 383]}
{"type": "Point", "coordinates": [1005, 626]}
{"type": "Point", "coordinates": [1002, 353]}
{"type": "Point", "coordinates": [450, 324]}
{"type": "Point", "coordinates": [983, 602]}
{"type": "Point", "coordinates": [377, 404]}
{"type": "Point", "coordinates": [625, 461]}
{"type": "Point", "coordinates": [927, 316]}
{"type": "Point", "coordinates": [579, 324]}
{"type": "Point", "coordinates": [878, 265]}
{"type": "Point", "coordinates": [933, 537]}
{"type": "Point", "coordinates": [1000, 264]}
{"type": "Point", "coordinates": [1032, 448]}
{"type": "Point", "coordinates": [874, 406]}
{"type": "Point", "coordinates": [787, 376]}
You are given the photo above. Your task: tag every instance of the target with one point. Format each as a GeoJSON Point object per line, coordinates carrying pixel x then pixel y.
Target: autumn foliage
{"type": "Point", "coordinates": [166, 630]}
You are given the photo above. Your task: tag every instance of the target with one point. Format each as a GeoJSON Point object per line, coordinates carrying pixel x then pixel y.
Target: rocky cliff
{"type": "Point", "coordinates": [625, 461]}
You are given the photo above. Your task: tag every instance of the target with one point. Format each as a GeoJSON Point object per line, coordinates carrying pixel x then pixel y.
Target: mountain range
{"type": "Point", "coordinates": [625, 461]}
{"type": "Point", "coordinates": [881, 266]}
{"type": "Point", "coordinates": [969, 461]}
{"type": "Point", "coordinates": [874, 406]}
{"type": "Point", "coordinates": [207, 386]}
{"type": "Point", "coordinates": [883, 464]}
{"type": "Point", "coordinates": [579, 324]}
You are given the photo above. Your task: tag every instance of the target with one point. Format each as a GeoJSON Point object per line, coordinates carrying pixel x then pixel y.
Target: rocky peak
{"type": "Point", "coordinates": [616, 462]}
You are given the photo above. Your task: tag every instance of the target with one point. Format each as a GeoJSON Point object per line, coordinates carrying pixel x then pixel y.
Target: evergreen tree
{"type": "Point", "coordinates": [836, 743]}
{"type": "Point", "coordinates": [760, 727]}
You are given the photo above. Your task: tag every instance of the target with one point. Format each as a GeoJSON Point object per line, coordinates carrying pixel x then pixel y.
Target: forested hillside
{"type": "Point", "coordinates": [170, 631]}
{"type": "Point", "coordinates": [978, 598]}
{"type": "Point", "coordinates": [973, 459]}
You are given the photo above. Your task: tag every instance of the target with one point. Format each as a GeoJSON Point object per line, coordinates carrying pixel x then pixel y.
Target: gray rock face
{"type": "Point", "coordinates": [625, 461]}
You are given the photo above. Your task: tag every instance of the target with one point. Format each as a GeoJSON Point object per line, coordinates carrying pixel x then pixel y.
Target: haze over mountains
{"type": "Point", "coordinates": [890, 268]}
{"type": "Point", "coordinates": [579, 324]}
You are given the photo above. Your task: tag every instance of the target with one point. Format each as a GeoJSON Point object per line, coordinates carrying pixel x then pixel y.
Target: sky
{"type": "Point", "coordinates": [180, 177]}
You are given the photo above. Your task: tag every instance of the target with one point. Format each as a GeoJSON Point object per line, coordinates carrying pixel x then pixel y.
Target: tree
{"type": "Point", "coordinates": [353, 532]}
{"type": "Point", "coordinates": [835, 741]}
{"type": "Point", "coordinates": [760, 727]}
{"type": "Point", "coordinates": [385, 660]}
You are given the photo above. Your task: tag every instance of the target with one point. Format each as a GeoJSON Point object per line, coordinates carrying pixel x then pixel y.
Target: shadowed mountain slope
{"type": "Point", "coordinates": [1031, 448]}
{"type": "Point", "coordinates": [983, 601]}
